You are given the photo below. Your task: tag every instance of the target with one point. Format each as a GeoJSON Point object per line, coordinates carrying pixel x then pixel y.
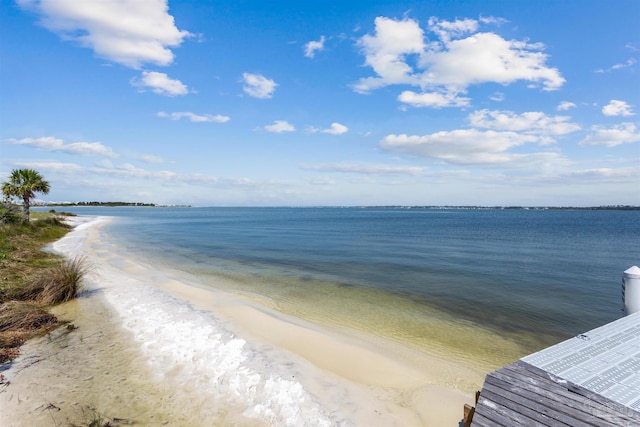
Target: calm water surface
{"type": "Point", "coordinates": [533, 277]}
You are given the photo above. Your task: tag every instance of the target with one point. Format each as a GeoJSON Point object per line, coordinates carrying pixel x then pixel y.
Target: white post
{"type": "Point", "coordinates": [631, 290]}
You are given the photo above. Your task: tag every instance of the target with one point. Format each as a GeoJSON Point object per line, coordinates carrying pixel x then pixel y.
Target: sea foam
{"type": "Point", "coordinates": [211, 369]}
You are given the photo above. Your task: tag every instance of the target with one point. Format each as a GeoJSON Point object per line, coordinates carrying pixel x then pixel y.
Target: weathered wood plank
{"type": "Point", "coordinates": [575, 407]}
{"type": "Point", "coordinates": [538, 418]}
{"type": "Point", "coordinates": [577, 389]}
{"type": "Point", "coordinates": [556, 395]}
{"type": "Point", "coordinates": [557, 389]}
{"type": "Point", "coordinates": [480, 420]}
{"type": "Point", "coordinates": [521, 394]}
{"type": "Point", "coordinates": [501, 415]}
{"type": "Point", "coordinates": [544, 410]}
{"type": "Point", "coordinates": [545, 389]}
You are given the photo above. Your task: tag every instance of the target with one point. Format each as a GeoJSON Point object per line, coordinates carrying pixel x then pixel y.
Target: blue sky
{"type": "Point", "coordinates": [295, 103]}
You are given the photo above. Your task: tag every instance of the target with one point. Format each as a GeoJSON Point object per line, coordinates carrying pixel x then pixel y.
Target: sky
{"type": "Point", "coordinates": [324, 103]}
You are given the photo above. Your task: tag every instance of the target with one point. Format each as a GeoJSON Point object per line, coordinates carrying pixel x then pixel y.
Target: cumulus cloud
{"type": "Point", "coordinates": [129, 32]}
{"type": "Point", "coordinates": [565, 105]}
{"type": "Point", "coordinates": [623, 133]}
{"type": "Point", "coordinates": [473, 147]}
{"type": "Point", "coordinates": [461, 57]}
{"type": "Point", "coordinates": [532, 122]}
{"type": "Point", "coordinates": [159, 83]}
{"type": "Point", "coordinates": [258, 86]}
{"type": "Point", "coordinates": [280, 126]}
{"type": "Point", "coordinates": [49, 143]}
{"type": "Point", "coordinates": [386, 52]}
{"type": "Point", "coordinates": [334, 129]}
{"type": "Point", "coordinates": [446, 30]}
{"type": "Point", "coordinates": [434, 99]}
{"type": "Point", "coordinates": [196, 118]}
{"type": "Point", "coordinates": [617, 108]}
{"type": "Point", "coordinates": [369, 169]}
{"type": "Point", "coordinates": [312, 47]}
{"type": "Point", "coordinates": [487, 57]}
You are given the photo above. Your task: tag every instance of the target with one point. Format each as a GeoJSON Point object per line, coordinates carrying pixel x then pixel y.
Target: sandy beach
{"type": "Point", "coordinates": [132, 357]}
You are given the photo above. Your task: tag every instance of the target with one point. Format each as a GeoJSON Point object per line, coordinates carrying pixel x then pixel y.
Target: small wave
{"type": "Point", "coordinates": [211, 370]}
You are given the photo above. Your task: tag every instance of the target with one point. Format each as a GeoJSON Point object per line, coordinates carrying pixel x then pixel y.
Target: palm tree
{"type": "Point", "coordinates": [24, 183]}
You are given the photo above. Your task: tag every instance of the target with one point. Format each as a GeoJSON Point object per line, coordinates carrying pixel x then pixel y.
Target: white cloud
{"type": "Point", "coordinates": [617, 108]}
{"type": "Point", "coordinates": [386, 53]}
{"type": "Point", "coordinates": [151, 158]}
{"type": "Point", "coordinates": [565, 105]}
{"type": "Point", "coordinates": [473, 147]}
{"type": "Point", "coordinates": [128, 171]}
{"type": "Point", "coordinates": [368, 169]}
{"type": "Point", "coordinates": [312, 47]}
{"type": "Point", "coordinates": [532, 122]}
{"type": "Point", "coordinates": [624, 133]}
{"type": "Point", "coordinates": [336, 129]}
{"type": "Point", "coordinates": [160, 83]}
{"type": "Point", "coordinates": [56, 167]}
{"type": "Point", "coordinates": [492, 20]}
{"type": "Point", "coordinates": [629, 63]}
{"type": "Point", "coordinates": [462, 57]}
{"type": "Point", "coordinates": [434, 99]}
{"type": "Point", "coordinates": [196, 118]}
{"type": "Point", "coordinates": [129, 32]}
{"type": "Point", "coordinates": [497, 97]}
{"type": "Point", "coordinates": [446, 30]}
{"type": "Point", "coordinates": [608, 174]}
{"type": "Point", "coordinates": [258, 86]}
{"type": "Point", "coordinates": [280, 126]}
{"type": "Point", "coordinates": [486, 58]}
{"type": "Point", "coordinates": [49, 143]}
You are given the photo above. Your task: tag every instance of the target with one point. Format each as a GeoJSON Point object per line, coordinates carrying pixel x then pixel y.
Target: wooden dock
{"type": "Point", "coordinates": [523, 395]}
{"type": "Point", "coordinates": [589, 380]}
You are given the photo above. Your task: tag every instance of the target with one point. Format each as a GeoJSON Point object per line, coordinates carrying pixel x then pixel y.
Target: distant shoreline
{"type": "Point", "coordinates": [108, 204]}
{"type": "Point", "coordinates": [433, 207]}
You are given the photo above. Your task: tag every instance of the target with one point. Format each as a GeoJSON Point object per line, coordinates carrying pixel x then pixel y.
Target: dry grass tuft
{"type": "Point", "coordinates": [29, 274]}
{"type": "Point", "coordinates": [58, 284]}
{"type": "Point", "coordinates": [24, 316]}
{"type": "Point", "coordinates": [20, 321]}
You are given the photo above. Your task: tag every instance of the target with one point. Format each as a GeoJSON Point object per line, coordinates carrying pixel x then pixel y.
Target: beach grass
{"type": "Point", "coordinates": [32, 279]}
{"type": "Point", "coordinates": [57, 284]}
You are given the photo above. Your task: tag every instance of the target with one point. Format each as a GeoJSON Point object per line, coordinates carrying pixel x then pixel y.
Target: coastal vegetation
{"type": "Point", "coordinates": [31, 279]}
{"type": "Point", "coordinates": [23, 184]}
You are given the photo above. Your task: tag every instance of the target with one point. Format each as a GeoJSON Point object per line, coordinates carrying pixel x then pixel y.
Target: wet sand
{"type": "Point", "coordinates": [102, 367]}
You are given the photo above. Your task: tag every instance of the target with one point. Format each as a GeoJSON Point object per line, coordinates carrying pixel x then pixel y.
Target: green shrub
{"type": "Point", "coordinates": [9, 213]}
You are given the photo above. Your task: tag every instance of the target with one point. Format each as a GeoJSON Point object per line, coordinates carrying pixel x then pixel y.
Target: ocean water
{"type": "Point", "coordinates": [542, 272]}
{"type": "Point", "coordinates": [484, 287]}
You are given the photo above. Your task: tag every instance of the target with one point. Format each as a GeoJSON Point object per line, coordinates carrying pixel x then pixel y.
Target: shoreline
{"type": "Point", "coordinates": [359, 380]}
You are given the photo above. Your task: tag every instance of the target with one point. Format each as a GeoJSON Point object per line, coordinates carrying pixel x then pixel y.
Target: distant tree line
{"type": "Point", "coordinates": [112, 204]}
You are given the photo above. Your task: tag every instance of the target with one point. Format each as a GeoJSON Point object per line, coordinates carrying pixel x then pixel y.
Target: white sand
{"type": "Point", "coordinates": [351, 378]}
